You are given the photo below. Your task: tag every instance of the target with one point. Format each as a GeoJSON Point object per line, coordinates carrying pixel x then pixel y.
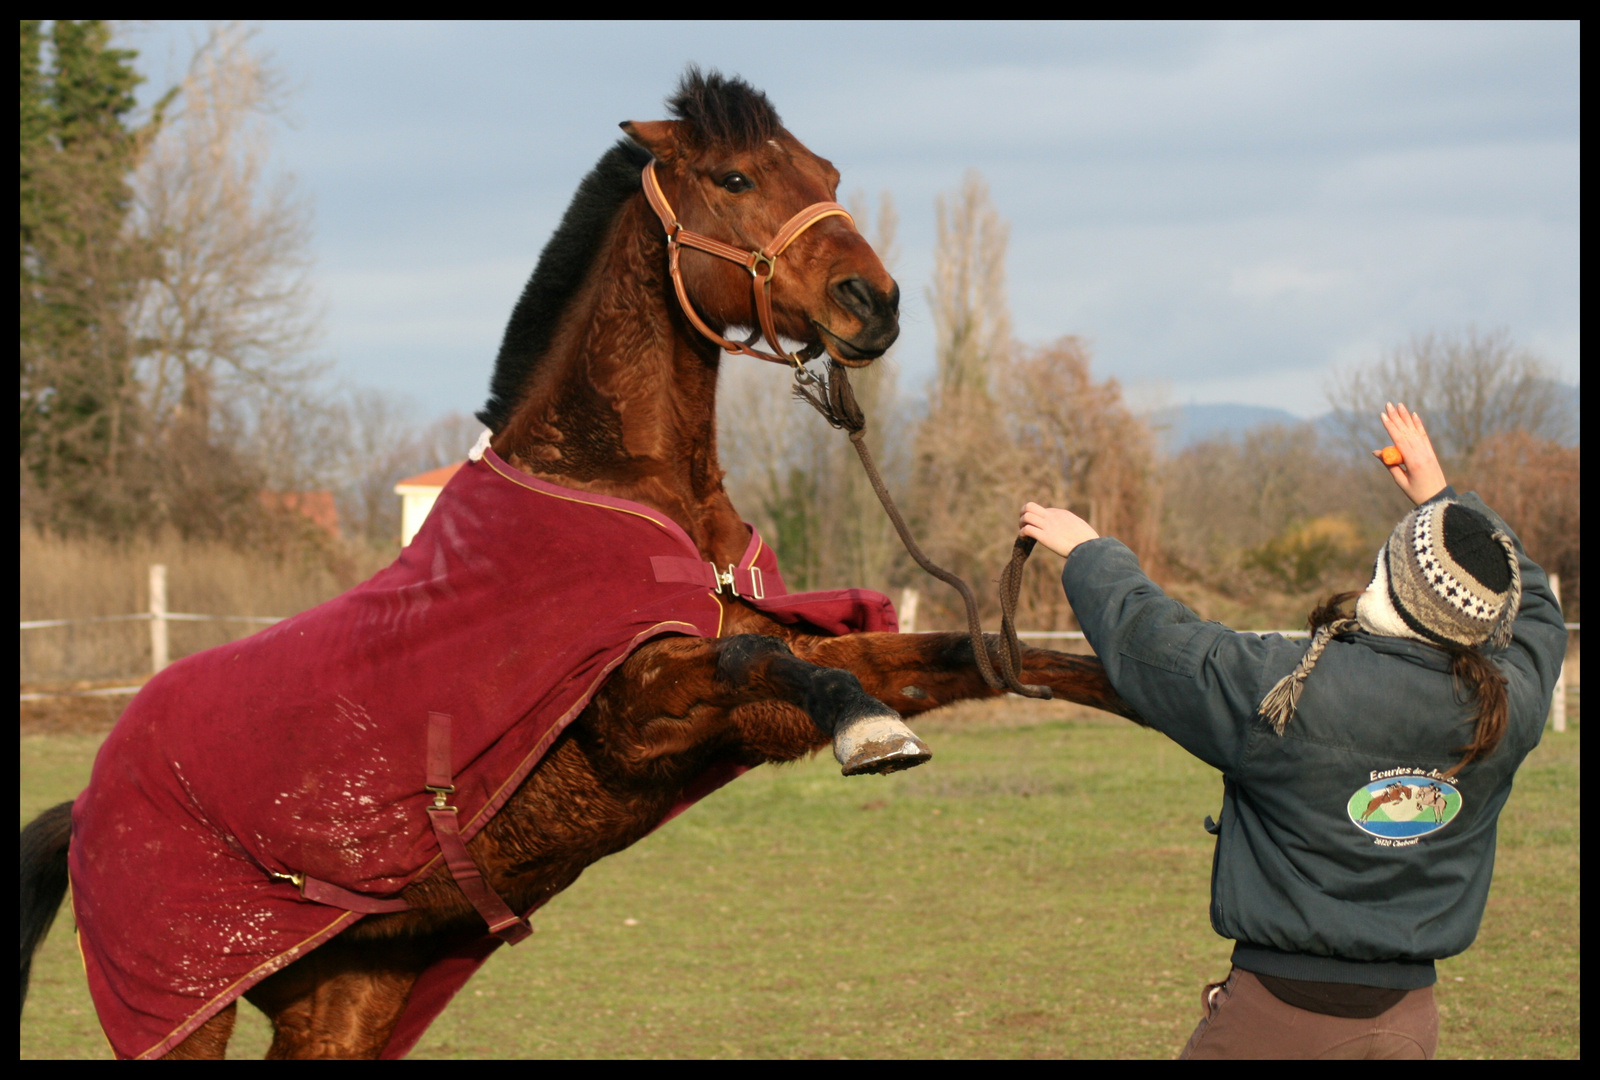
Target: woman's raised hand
{"type": "Point", "coordinates": [1419, 473]}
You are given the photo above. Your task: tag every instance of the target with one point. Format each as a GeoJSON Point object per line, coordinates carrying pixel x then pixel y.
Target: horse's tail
{"type": "Point", "coordinates": [44, 879]}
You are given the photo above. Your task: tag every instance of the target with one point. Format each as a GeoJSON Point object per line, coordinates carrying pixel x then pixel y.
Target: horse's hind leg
{"type": "Point", "coordinates": [209, 1041]}
{"type": "Point", "coordinates": [341, 1001]}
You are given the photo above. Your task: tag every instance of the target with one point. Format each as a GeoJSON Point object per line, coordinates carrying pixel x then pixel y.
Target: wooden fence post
{"type": "Point", "coordinates": [908, 611]}
{"type": "Point", "coordinates": [158, 618]}
{"type": "Point", "coordinates": [1558, 703]}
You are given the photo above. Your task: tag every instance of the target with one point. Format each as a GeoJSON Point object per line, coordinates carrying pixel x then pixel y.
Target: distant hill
{"type": "Point", "coordinates": [1184, 425]}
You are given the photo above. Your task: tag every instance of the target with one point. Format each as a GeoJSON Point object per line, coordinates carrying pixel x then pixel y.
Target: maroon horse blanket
{"type": "Point", "coordinates": [301, 749]}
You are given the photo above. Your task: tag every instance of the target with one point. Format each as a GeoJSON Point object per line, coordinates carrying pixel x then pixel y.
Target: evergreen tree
{"type": "Point", "coordinates": [79, 272]}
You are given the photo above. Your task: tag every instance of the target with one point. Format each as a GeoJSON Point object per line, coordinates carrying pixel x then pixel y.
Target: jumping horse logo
{"type": "Point", "coordinates": [1404, 807]}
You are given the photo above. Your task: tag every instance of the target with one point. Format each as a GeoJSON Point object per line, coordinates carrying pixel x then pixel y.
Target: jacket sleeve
{"type": "Point", "coordinates": [1538, 646]}
{"type": "Point", "coordinates": [1197, 682]}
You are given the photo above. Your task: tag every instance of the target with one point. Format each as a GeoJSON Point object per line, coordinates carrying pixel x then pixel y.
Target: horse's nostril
{"type": "Point", "coordinates": [855, 296]}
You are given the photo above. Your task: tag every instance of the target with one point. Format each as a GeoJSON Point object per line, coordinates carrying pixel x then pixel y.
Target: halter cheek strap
{"type": "Point", "coordinates": [761, 264]}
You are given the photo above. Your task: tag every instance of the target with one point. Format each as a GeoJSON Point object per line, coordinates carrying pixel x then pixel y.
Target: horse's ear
{"type": "Point", "coordinates": [660, 137]}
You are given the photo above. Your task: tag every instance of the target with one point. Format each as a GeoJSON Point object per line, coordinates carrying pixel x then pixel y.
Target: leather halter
{"type": "Point", "coordinates": [762, 264]}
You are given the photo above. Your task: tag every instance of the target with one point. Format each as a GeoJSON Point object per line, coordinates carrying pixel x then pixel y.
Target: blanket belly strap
{"type": "Point", "coordinates": [503, 922]}
{"type": "Point", "coordinates": [322, 892]}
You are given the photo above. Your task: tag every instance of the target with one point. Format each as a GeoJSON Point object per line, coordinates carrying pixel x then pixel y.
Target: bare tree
{"type": "Point", "coordinates": [963, 455]}
{"type": "Point", "coordinates": [963, 501]}
{"type": "Point", "coordinates": [1536, 485]}
{"type": "Point", "coordinates": [226, 317]}
{"type": "Point", "coordinates": [1265, 520]}
{"type": "Point", "coordinates": [378, 449]}
{"type": "Point", "coordinates": [1469, 386]}
{"type": "Point", "coordinates": [968, 296]}
{"type": "Point", "coordinates": [293, 441]}
{"type": "Point", "coordinates": [1063, 439]}
{"type": "Point", "coordinates": [1081, 444]}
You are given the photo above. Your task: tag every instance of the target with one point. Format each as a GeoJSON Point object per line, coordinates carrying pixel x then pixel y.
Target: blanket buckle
{"type": "Point", "coordinates": [722, 579]}
{"type": "Point", "coordinates": [438, 796]}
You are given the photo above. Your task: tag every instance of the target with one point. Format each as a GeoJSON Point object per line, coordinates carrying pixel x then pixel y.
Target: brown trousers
{"type": "Point", "coordinates": [1244, 1020]}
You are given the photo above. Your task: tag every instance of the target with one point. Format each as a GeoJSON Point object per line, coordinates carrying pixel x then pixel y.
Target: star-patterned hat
{"type": "Point", "coordinates": [1447, 576]}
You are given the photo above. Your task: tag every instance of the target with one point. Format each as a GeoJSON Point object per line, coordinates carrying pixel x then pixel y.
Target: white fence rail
{"type": "Point", "coordinates": [158, 617]}
{"type": "Point", "coordinates": [174, 616]}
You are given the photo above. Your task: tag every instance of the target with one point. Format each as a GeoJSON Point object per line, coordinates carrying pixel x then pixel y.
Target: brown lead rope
{"type": "Point", "coordinates": [835, 399]}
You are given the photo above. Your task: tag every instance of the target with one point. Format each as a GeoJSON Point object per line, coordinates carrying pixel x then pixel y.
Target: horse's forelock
{"type": "Point", "coordinates": [723, 111]}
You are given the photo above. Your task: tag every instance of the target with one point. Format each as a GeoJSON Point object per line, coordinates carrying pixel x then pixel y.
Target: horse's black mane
{"type": "Point", "coordinates": [713, 108]}
{"type": "Point", "coordinates": [561, 269]}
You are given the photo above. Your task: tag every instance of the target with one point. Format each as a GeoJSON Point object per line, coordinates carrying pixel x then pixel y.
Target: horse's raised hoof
{"type": "Point", "coordinates": [877, 744]}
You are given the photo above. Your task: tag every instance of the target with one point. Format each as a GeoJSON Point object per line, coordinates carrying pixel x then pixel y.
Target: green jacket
{"type": "Point", "coordinates": [1342, 853]}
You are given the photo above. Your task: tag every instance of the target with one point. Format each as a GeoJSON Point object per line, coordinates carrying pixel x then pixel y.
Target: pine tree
{"type": "Point", "coordinates": [79, 271]}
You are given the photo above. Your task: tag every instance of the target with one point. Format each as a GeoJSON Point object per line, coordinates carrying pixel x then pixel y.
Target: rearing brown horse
{"type": "Point", "coordinates": [603, 386]}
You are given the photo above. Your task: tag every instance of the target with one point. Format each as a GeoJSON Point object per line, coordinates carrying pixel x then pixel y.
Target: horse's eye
{"type": "Point", "coordinates": [737, 182]}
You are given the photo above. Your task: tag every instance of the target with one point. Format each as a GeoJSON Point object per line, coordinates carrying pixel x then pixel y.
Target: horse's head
{"type": "Point", "coordinates": [731, 172]}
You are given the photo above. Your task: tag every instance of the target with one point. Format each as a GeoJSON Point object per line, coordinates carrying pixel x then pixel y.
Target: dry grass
{"type": "Point", "coordinates": [75, 578]}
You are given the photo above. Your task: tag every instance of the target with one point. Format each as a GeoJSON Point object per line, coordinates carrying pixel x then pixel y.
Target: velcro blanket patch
{"type": "Point", "coordinates": [301, 749]}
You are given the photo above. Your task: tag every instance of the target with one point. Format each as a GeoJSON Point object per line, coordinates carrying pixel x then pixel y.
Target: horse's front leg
{"type": "Point", "coordinates": [868, 735]}
{"type": "Point", "coordinates": [752, 692]}
{"type": "Point", "coordinates": [913, 673]}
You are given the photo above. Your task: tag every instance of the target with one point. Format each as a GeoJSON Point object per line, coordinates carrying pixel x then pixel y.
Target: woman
{"type": "Point", "coordinates": [1363, 775]}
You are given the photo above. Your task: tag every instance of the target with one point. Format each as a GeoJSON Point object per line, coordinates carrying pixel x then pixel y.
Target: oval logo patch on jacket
{"type": "Point", "coordinates": [1404, 807]}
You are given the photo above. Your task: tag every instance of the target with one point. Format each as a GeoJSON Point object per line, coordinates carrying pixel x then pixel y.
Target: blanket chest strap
{"type": "Point", "coordinates": [739, 581]}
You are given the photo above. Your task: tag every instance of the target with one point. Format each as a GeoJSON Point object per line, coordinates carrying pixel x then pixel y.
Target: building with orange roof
{"type": "Point", "coordinates": [417, 495]}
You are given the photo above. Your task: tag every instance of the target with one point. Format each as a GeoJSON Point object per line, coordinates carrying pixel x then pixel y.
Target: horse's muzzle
{"type": "Point", "coordinates": [879, 315]}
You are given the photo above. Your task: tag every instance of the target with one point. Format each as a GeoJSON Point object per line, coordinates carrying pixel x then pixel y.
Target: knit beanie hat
{"type": "Point", "coordinates": [1446, 576]}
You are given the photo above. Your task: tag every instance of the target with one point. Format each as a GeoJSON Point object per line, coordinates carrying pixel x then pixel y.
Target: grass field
{"type": "Point", "coordinates": [1039, 889]}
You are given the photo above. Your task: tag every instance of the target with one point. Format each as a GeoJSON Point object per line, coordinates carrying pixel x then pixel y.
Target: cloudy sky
{"type": "Point", "coordinates": [1227, 212]}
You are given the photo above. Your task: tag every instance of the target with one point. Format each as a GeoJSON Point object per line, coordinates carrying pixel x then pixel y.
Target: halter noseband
{"type": "Point", "coordinates": [761, 264]}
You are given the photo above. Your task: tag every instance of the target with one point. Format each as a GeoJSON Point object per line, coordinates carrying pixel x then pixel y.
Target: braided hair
{"type": "Point", "coordinates": [1473, 678]}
